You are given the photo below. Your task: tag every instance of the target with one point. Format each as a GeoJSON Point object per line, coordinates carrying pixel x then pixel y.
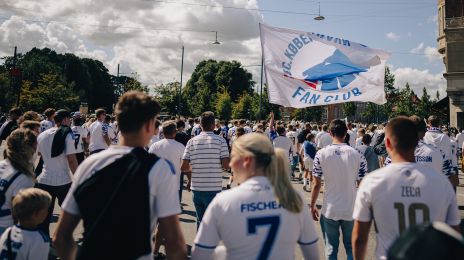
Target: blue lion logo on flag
{"type": "Point", "coordinates": [335, 72]}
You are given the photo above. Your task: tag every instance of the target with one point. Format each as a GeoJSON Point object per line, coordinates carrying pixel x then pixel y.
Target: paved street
{"type": "Point", "coordinates": [188, 220]}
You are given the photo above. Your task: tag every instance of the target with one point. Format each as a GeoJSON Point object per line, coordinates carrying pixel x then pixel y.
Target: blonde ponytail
{"type": "Point", "coordinates": [275, 165]}
{"type": "Point", "coordinates": [278, 173]}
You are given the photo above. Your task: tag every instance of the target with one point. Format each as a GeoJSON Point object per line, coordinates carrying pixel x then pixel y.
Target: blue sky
{"type": "Point", "coordinates": [146, 36]}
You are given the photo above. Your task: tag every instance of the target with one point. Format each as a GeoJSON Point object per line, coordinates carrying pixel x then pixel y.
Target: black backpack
{"type": "Point", "coordinates": [115, 207]}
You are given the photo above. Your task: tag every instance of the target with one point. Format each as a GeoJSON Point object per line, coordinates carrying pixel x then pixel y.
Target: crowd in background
{"type": "Point", "coordinates": [59, 155]}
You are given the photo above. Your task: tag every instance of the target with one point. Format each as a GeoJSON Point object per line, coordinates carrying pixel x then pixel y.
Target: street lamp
{"type": "Point", "coordinates": [319, 17]}
{"type": "Point", "coordinates": [216, 41]}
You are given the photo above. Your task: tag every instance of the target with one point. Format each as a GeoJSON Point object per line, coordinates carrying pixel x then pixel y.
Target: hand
{"type": "Point", "coordinates": [189, 183]}
{"type": "Point", "coordinates": [314, 213]}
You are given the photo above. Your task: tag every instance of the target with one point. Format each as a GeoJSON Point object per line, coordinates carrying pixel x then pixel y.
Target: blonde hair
{"type": "Point", "coordinates": [20, 148]}
{"type": "Point", "coordinates": [29, 201]}
{"type": "Point", "coordinates": [275, 165]}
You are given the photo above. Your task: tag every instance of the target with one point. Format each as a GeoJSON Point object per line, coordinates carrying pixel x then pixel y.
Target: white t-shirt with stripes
{"type": "Point", "coordinates": [341, 166]}
{"type": "Point", "coordinates": [55, 170]}
{"type": "Point", "coordinates": [205, 152]}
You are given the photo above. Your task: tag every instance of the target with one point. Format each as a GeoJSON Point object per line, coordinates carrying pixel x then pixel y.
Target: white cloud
{"type": "Point", "coordinates": [431, 53]}
{"type": "Point", "coordinates": [393, 36]}
{"type": "Point", "coordinates": [418, 49]}
{"type": "Point", "coordinates": [118, 31]}
{"type": "Point", "coordinates": [418, 79]}
{"type": "Point", "coordinates": [409, 34]}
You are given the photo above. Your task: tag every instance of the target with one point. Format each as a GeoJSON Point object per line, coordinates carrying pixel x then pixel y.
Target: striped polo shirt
{"type": "Point", "coordinates": [205, 152]}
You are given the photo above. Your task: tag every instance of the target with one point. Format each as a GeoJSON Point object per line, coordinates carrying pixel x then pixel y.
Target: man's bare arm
{"type": "Point", "coordinates": [359, 239]}
{"type": "Point", "coordinates": [175, 243]}
{"type": "Point", "coordinates": [63, 238]}
{"type": "Point", "coordinates": [72, 162]}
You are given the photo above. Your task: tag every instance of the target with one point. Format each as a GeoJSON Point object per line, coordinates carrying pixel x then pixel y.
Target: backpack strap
{"type": "Point", "coordinates": [8, 245]}
{"type": "Point", "coordinates": [134, 166]}
{"type": "Point", "coordinates": [7, 212]}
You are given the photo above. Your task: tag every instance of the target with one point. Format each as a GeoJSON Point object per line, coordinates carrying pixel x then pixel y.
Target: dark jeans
{"type": "Point", "coordinates": [181, 186]}
{"type": "Point", "coordinates": [201, 200]}
{"type": "Point", "coordinates": [331, 233]}
{"type": "Point", "coordinates": [80, 157]}
{"type": "Point", "coordinates": [57, 192]}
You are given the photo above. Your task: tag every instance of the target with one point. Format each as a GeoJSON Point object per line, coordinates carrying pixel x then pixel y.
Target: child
{"type": "Point", "coordinates": [23, 240]}
{"type": "Point", "coordinates": [309, 151]}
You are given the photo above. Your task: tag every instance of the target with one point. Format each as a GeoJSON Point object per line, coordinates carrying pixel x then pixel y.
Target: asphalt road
{"type": "Point", "coordinates": [188, 221]}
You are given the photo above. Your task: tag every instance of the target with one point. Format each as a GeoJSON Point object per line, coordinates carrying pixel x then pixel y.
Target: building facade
{"type": "Point", "coordinates": [451, 46]}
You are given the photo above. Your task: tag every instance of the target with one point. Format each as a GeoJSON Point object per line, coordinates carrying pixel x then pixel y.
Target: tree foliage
{"type": "Point", "coordinates": [405, 105]}
{"type": "Point", "coordinates": [349, 109]}
{"type": "Point", "coordinates": [88, 79]}
{"type": "Point", "coordinates": [167, 95]}
{"type": "Point", "coordinates": [244, 107]}
{"type": "Point", "coordinates": [50, 91]}
{"type": "Point", "coordinates": [425, 105]}
{"type": "Point", "coordinates": [224, 106]}
{"type": "Point", "coordinates": [211, 77]}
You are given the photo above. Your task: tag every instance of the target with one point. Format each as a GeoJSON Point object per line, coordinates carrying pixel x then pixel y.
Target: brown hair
{"type": "Point", "coordinates": [403, 133]}
{"type": "Point", "coordinates": [20, 148]}
{"type": "Point", "coordinates": [29, 201]}
{"type": "Point", "coordinates": [134, 109]}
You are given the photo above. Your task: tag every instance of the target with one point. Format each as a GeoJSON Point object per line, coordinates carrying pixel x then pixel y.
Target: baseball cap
{"type": "Point", "coordinates": [62, 114]}
{"type": "Point", "coordinates": [434, 240]}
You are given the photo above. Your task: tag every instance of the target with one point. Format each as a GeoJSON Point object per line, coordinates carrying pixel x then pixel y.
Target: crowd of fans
{"type": "Point", "coordinates": [123, 176]}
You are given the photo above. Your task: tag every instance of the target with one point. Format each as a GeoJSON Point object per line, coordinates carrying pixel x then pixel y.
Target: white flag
{"type": "Point", "coordinates": [308, 69]}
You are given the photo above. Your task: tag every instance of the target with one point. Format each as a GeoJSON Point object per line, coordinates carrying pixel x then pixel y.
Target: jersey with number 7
{"type": "Point", "coordinates": [402, 195]}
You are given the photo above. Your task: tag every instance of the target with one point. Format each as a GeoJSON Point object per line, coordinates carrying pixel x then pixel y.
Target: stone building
{"type": "Point", "coordinates": [451, 46]}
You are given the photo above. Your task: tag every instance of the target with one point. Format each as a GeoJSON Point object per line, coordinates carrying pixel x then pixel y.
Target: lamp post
{"type": "Point", "coordinates": [319, 17]}
{"type": "Point", "coordinates": [180, 86]}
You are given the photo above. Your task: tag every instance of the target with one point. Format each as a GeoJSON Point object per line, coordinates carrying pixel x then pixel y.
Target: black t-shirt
{"type": "Point", "coordinates": [182, 138]}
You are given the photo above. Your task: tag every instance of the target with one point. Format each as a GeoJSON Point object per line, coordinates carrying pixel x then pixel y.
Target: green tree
{"type": "Point", "coordinates": [386, 110]}
{"type": "Point", "coordinates": [349, 109]}
{"type": "Point", "coordinates": [124, 84]}
{"type": "Point", "coordinates": [425, 105]}
{"type": "Point", "coordinates": [370, 112]}
{"type": "Point", "coordinates": [224, 106]}
{"type": "Point", "coordinates": [49, 92]}
{"type": "Point", "coordinates": [405, 105]}
{"type": "Point", "coordinates": [210, 77]}
{"type": "Point", "coordinates": [244, 107]}
{"type": "Point", "coordinates": [167, 95]}
{"type": "Point", "coordinates": [437, 96]}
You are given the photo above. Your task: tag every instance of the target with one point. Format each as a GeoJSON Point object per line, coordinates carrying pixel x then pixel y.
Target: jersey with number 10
{"type": "Point", "coordinates": [253, 225]}
{"type": "Point", "coordinates": [402, 195]}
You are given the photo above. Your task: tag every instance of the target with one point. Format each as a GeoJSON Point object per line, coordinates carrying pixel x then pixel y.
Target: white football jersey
{"type": "Point", "coordinates": [435, 137]}
{"type": "Point", "coordinates": [431, 157]}
{"type": "Point", "coordinates": [97, 130]}
{"type": "Point", "coordinates": [23, 181]}
{"type": "Point", "coordinates": [79, 134]}
{"type": "Point", "coordinates": [25, 243]}
{"type": "Point", "coordinates": [55, 171]}
{"type": "Point", "coordinates": [323, 139]}
{"type": "Point", "coordinates": [45, 125]}
{"type": "Point", "coordinates": [293, 137]}
{"type": "Point", "coordinates": [341, 166]}
{"type": "Point", "coordinates": [401, 195]}
{"type": "Point", "coordinates": [353, 136]}
{"type": "Point", "coordinates": [460, 139]}
{"type": "Point", "coordinates": [253, 225]}
{"type": "Point", "coordinates": [284, 143]}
